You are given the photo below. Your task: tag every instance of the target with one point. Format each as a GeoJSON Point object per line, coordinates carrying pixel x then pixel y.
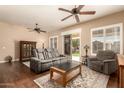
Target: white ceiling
{"type": "Point", "coordinates": [49, 16]}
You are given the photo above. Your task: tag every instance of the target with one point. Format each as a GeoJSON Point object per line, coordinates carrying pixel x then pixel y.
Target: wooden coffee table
{"type": "Point", "coordinates": [66, 71]}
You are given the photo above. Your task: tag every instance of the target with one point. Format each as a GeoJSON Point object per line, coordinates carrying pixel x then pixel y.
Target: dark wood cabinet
{"type": "Point", "coordinates": [26, 50]}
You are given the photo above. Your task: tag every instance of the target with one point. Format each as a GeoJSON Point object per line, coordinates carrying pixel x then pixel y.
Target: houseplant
{"type": "Point", "coordinates": [8, 58]}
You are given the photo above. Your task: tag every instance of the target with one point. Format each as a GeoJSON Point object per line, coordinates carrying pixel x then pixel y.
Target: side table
{"type": "Point", "coordinates": [84, 60]}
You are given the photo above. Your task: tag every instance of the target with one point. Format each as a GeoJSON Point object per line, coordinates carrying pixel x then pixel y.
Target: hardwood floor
{"type": "Point", "coordinates": [19, 76]}
{"type": "Point", "coordinates": [113, 81]}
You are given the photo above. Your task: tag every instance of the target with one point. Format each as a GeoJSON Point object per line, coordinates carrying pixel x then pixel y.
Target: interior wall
{"type": "Point", "coordinates": [87, 26]}
{"type": "Point", "coordinates": [10, 35]}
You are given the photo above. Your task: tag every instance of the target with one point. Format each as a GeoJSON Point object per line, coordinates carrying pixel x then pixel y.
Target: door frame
{"type": "Point", "coordinates": [78, 30]}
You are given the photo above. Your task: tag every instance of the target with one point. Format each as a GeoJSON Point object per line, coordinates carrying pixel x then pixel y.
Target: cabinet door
{"type": "Point", "coordinates": [24, 50]}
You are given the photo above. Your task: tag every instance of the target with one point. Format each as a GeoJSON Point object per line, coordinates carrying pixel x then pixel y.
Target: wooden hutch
{"type": "Point", "coordinates": [26, 50]}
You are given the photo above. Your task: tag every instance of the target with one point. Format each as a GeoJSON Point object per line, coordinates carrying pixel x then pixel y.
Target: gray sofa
{"type": "Point", "coordinates": [104, 61]}
{"type": "Point", "coordinates": [45, 58]}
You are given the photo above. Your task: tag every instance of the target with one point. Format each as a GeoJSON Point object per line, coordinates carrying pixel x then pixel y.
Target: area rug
{"type": "Point", "coordinates": [27, 63]}
{"type": "Point", "coordinates": [88, 79]}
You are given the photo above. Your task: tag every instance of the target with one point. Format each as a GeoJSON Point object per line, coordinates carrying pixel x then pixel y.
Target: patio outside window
{"type": "Point", "coordinates": [106, 38]}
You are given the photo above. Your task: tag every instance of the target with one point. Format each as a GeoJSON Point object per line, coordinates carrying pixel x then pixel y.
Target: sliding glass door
{"type": "Point", "coordinates": [75, 46]}
{"type": "Point", "coordinates": [67, 44]}
{"type": "Point", "coordinates": [72, 46]}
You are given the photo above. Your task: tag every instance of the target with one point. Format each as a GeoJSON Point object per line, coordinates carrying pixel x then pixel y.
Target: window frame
{"type": "Point", "coordinates": [120, 25]}
{"type": "Point", "coordinates": [53, 41]}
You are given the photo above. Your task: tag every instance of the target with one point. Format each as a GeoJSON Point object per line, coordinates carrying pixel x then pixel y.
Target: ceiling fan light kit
{"type": "Point", "coordinates": [75, 12]}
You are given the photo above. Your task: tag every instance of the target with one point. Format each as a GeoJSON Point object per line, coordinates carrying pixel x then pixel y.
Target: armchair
{"type": "Point", "coordinates": [104, 62]}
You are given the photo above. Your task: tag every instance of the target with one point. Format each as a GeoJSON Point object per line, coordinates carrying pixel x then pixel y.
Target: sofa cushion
{"type": "Point", "coordinates": [63, 58]}
{"type": "Point", "coordinates": [49, 51]}
{"type": "Point", "coordinates": [45, 61]}
{"type": "Point", "coordinates": [46, 54]}
{"type": "Point", "coordinates": [35, 53]}
{"type": "Point", "coordinates": [53, 53]}
{"type": "Point", "coordinates": [56, 53]}
{"type": "Point", "coordinates": [57, 58]}
{"type": "Point", "coordinates": [41, 54]}
{"type": "Point", "coordinates": [96, 65]}
{"type": "Point", "coordinates": [103, 55]}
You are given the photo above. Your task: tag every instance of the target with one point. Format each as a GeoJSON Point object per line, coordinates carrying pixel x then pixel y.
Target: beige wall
{"type": "Point", "coordinates": [87, 26]}
{"type": "Point", "coordinates": [10, 35]}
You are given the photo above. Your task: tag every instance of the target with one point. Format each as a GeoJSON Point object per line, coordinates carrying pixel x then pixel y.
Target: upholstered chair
{"type": "Point", "coordinates": [104, 62]}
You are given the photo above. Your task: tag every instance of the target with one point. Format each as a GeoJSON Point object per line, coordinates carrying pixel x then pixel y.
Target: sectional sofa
{"type": "Point", "coordinates": [43, 59]}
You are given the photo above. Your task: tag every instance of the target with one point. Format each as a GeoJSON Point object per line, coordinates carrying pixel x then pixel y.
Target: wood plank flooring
{"type": "Point", "coordinates": [18, 75]}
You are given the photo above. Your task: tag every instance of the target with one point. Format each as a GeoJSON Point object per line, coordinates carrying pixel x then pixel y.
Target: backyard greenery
{"type": "Point", "coordinates": [77, 54]}
{"type": "Point", "coordinates": [75, 47]}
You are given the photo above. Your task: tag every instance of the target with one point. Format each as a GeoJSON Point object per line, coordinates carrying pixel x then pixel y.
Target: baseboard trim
{"type": "Point", "coordinates": [3, 61]}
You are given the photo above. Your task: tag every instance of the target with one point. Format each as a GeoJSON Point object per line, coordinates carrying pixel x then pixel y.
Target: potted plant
{"type": "Point", "coordinates": [8, 59]}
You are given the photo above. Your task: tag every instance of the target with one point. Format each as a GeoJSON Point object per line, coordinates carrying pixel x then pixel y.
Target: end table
{"type": "Point", "coordinates": [84, 60]}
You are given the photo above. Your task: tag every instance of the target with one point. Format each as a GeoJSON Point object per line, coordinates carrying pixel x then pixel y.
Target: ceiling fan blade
{"type": "Point", "coordinates": [80, 7]}
{"type": "Point", "coordinates": [38, 32]}
{"type": "Point", "coordinates": [29, 28]}
{"type": "Point", "coordinates": [42, 31]}
{"type": "Point", "coordinates": [66, 17]}
{"type": "Point", "coordinates": [31, 31]}
{"type": "Point", "coordinates": [62, 9]}
{"type": "Point", "coordinates": [77, 18]}
{"type": "Point", "coordinates": [87, 13]}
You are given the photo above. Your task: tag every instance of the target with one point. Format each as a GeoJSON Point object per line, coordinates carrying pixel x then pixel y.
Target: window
{"type": "Point", "coordinates": [107, 38]}
{"type": "Point", "coordinates": [97, 40]}
{"type": "Point", "coordinates": [53, 42]}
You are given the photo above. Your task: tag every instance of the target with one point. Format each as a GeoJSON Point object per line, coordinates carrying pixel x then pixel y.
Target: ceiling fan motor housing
{"type": "Point", "coordinates": [36, 29]}
{"type": "Point", "coordinates": [74, 11]}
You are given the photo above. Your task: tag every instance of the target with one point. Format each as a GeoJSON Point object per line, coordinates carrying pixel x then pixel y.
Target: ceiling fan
{"type": "Point", "coordinates": [76, 11]}
{"type": "Point", "coordinates": [37, 29]}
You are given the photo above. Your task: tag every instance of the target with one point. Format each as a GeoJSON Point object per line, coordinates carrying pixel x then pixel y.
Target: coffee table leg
{"type": "Point", "coordinates": [80, 69]}
{"type": "Point", "coordinates": [64, 80]}
{"type": "Point", "coordinates": [51, 74]}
